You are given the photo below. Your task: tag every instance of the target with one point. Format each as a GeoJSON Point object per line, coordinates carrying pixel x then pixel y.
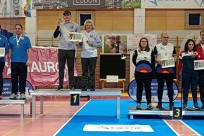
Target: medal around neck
{"type": "Point", "coordinates": [74, 36]}
{"type": "Point", "coordinates": [17, 41]}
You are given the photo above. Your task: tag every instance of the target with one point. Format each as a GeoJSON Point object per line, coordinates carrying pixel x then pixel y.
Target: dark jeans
{"type": "Point", "coordinates": [63, 57]}
{"type": "Point", "coordinates": [189, 81]}
{"type": "Point", "coordinates": [168, 77]}
{"type": "Point", "coordinates": [201, 85]}
{"type": "Point", "coordinates": [143, 79]}
{"type": "Point", "coordinates": [2, 64]}
{"type": "Point", "coordinates": [88, 67]}
{"type": "Point", "coordinates": [18, 71]}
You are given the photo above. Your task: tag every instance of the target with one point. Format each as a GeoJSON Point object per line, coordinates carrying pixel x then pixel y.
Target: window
{"type": "Point", "coordinates": [83, 18]}
{"type": "Point", "coordinates": [194, 19]}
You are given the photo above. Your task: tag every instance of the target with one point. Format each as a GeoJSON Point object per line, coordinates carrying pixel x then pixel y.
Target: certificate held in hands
{"type": "Point", "coordinates": [168, 62]}
{"type": "Point", "coordinates": [198, 64]}
{"type": "Point", "coordinates": [74, 36]}
{"type": "Point", "coordinates": [2, 52]}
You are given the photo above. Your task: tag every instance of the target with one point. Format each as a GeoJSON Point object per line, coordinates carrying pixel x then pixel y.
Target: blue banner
{"type": "Point", "coordinates": [7, 88]}
{"type": "Point", "coordinates": [132, 90]}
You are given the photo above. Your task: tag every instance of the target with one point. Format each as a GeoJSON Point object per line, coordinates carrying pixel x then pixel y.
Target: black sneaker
{"type": "Point", "coordinates": [84, 88]}
{"type": "Point", "coordinates": [59, 87]}
{"type": "Point", "coordinates": [92, 88]}
{"type": "Point", "coordinates": [159, 106]}
{"type": "Point", "coordinates": [138, 107]}
{"type": "Point", "coordinates": [71, 88]}
{"type": "Point", "coordinates": [196, 107]}
{"type": "Point", "coordinates": [185, 106]}
{"type": "Point", "coordinates": [149, 106]}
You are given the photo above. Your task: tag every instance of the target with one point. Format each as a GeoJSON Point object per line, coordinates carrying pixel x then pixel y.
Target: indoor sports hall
{"type": "Point", "coordinates": [110, 104]}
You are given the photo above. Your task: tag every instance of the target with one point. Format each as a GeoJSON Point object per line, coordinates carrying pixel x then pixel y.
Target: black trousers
{"type": "Point", "coordinates": [143, 80]}
{"type": "Point", "coordinates": [2, 64]}
{"type": "Point", "coordinates": [63, 57]}
{"type": "Point", "coordinates": [161, 77]}
{"type": "Point", "coordinates": [189, 81]}
{"type": "Point", "coordinates": [18, 71]}
{"type": "Point", "coordinates": [88, 67]}
{"type": "Point", "coordinates": [201, 85]}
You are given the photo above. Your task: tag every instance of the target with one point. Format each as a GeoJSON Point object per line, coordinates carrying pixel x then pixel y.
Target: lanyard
{"type": "Point", "coordinates": [87, 35]}
{"type": "Point", "coordinates": [18, 40]}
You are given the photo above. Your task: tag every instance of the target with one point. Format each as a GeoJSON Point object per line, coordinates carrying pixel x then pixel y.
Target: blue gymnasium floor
{"type": "Point", "coordinates": [102, 112]}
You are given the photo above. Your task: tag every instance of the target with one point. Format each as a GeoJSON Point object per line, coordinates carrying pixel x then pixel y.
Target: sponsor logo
{"type": "Point", "coordinates": [39, 67]}
{"type": "Point", "coordinates": [86, 2]}
{"type": "Point", "coordinates": [7, 86]}
{"type": "Point", "coordinates": [118, 128]}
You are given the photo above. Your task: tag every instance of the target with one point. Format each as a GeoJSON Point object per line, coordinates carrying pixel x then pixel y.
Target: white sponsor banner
{"type": "Point", "coordinates": [172, 4]}
{"type": "Point", "coordinates": [118, 128]}
{"type": "Point", "coordinates": [134, 39]}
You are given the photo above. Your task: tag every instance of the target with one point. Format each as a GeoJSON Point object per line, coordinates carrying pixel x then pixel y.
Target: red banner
{"type": "Point", "coordinates": [43, 70]}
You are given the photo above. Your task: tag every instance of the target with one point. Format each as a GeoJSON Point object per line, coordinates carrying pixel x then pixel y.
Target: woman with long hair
{"type": "Point", "coordinates": [188, 74]}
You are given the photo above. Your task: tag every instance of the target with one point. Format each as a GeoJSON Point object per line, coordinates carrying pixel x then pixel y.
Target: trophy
{"type": "Point", "coordinates": [60, 21]}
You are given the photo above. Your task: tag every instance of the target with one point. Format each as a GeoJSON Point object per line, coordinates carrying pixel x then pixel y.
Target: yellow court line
{"type": "Point", "coordinates": [31, 120]}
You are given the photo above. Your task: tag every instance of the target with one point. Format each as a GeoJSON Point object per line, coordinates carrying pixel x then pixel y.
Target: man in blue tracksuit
{"type": "Point", "coordinates": [3, 44]}
{"type": "Point", "coordinates": [18, 59]}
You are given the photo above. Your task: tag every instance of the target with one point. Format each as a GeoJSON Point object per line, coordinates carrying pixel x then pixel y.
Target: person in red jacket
{"type": "Point", "coordinates": [189, 75]}
{"type": "Point", "coordinates": [200, 50]}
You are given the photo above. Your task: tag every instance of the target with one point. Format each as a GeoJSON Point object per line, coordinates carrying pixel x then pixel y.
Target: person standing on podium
{"type": "Point", "coordinates": [90, 42]}
{"type": "Point", "coordinates": [189, 75]}
{"type": "Point", "coordinates": [200, 50]}
{"type": "Point", "coordinates": [19, 58]}
{"type": "Point", "coordinates": [164, 50]}
{"type": "Point", "coordinates": [143, 59]}
{"type": "Point", "coordinates": [3, 46]}
{"type": "Point", "coordinates": [66, 49]}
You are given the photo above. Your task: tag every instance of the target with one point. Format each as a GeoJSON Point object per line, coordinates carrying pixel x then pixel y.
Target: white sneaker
{"type": "Point", "coordinates": [12, 97]}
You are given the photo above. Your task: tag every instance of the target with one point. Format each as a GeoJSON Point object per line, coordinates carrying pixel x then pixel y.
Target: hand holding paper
{"type": "Point", "coordinates": [77, 43]}
{"type": "Point", "coordinates": [90, 43]}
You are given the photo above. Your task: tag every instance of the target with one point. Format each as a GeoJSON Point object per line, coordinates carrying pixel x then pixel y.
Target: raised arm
{"type": "Point", "coordinates": [56, 32]}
